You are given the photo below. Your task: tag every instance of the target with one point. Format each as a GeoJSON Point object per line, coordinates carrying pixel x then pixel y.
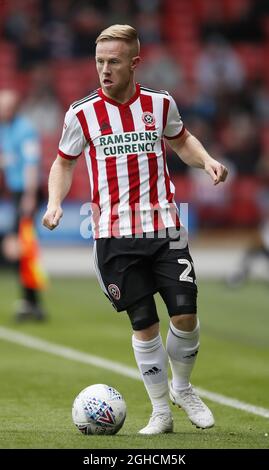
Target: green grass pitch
{"type": "Point", "coordinates": [37, 388]}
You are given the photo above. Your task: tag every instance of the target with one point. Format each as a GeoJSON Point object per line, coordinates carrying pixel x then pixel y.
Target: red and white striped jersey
{"type": "Point", "coordinates": [131, 191]}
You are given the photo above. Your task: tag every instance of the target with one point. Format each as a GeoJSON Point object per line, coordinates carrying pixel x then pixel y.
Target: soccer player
{"type": "Point", "coordinates": [139, 246]}
{"type": "Point", "coordinates": [20, 159]}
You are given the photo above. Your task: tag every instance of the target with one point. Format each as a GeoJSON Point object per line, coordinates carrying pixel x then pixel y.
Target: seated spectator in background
{"type": "Point", "coordinates": [150, 6]}
{"type": "Point", "coordinates": [149, 27]}
{"type": "Point", "coordinates": [57, 31]}
{"type": "Point", "coordinates": [17, 21]}
{"type": "Point", "coordinates": [218, 68]}
{"type": "Point", "coordinates": [261, 101]}
{"type": "Point", "coordinates": [41, 105]}
{"type": "Point", "coordinates": [206, 195]}
{"type": "Point", "coordinates": [24, 26]}
{"type": "Point", "coordinates": [241, 142]}
{"type": "Point", "coordinates": [87, 21]}
{"type": "Point", "coordinates": [160, 67]}
{"type": "Point", "coordinates": [243, 24]}
{"type": "Point", "coordinates": [121, 9]}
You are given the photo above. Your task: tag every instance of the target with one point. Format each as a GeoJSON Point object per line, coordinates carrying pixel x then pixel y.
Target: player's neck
{"type": "Point", "coordinates": [122, 96]}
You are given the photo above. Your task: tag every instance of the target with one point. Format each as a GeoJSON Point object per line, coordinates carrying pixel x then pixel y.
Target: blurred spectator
{"type": "Point", "coordinates": [206, 196]}
{"type": "Point", "coordinates": [32, 49]}
{"type": "Point", "coordinates": [160, 67]}
{"type": "Point", "coordinates": [86, 24]}
{"type": "Point", "coordinates": [41, 105]}
{"type": "Point", "coordinates": [121, 9]}
{"type": "Point", "coordinates": [20, 157]}
{"type": "Point", "coordinates": [218, 68]}
{"type": "Point", "coordinates": [242, 146]}
{"type": "Point", "coordinates": [244, 25]}
{"type": "Point", "coordinates": [17, 21]}
{"type": "Point", "coordinates": [24, 26]}
{"type": "Point", "coordinates": [210, 208]}
{"type": "Point", "coordinates": [260, 95]}
{"type": "Point", "coordinates": [149, 27]}
{"type": "Point", "coordinates": [57, 31]}
{"type": "Point", "coordinates": [150, 6]}
{"type": "Point", "coordinates": [214, 23]}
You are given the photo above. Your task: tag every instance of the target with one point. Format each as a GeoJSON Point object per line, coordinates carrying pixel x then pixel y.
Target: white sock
{"type": "Point", "coordinates": [152, 360]}
{"type": "Point", "coordinates": [182, 348]}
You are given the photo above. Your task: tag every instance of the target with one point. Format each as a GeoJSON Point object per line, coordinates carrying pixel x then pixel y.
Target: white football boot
{"type": "Point", "coordinates": [158, 424]}
{"type": "Point", "coordinates": [191, 403]}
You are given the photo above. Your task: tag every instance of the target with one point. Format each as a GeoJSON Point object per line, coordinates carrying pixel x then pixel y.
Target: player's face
{"type": "Point", "coordinates": [115, 63]}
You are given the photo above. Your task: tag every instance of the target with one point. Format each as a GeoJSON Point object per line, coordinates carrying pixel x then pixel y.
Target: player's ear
{"type": "Point", "coordinates": [135, 61]}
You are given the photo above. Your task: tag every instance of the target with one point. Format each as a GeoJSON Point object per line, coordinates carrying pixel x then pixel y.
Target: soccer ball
{"type": "Point", "coordinates": [99, 409]}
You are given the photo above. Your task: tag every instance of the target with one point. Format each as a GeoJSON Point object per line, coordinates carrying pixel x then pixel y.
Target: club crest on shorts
{"type": "Point", "coordinates": [148, 118]}
{"type": "Point", "coordinates": [114, 291]}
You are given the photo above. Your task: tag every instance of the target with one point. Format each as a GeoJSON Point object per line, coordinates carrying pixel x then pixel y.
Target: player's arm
{"type": "Point", "coordinates": [187, 147]}
{"type": "Point", "coordinates": [60, 180]}
{"type": "Point", "coordinates": [193, 153]}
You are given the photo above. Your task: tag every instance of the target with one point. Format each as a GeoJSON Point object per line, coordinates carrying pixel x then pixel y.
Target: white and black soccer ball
{"type": "Point", "coordinates": [99, 409]}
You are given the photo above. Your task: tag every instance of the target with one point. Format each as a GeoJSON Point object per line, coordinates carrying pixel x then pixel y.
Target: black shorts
{"type": "Point", "coordinates": [131, 268]}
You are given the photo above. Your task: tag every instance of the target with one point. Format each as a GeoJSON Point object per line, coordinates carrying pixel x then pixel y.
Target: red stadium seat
{"type": "Point", "coordinates": [8, 55]}
{"type": "Point", "coordinates": [74, 79]}
{"type": "Point", "coordinates": [244, 209]}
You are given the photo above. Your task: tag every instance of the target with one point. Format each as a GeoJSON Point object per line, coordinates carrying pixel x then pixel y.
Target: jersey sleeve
{"type": "Point", "coordinates": [174, 127]}
{"type": "Point", "coordinates": [72, 142]}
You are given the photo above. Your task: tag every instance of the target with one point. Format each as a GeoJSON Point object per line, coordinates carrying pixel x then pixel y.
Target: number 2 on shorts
{"type": "Point", "coordinates": [184, 276]}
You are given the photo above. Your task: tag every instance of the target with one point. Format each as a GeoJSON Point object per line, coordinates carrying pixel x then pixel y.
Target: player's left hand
{"type": "Point", "coordinates": [216, 171]}
{"type": "Point", "coordinates": [52, 217]}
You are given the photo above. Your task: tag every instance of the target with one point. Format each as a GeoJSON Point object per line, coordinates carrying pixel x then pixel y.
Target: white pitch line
{"type": "Point", "coordinates": [68, 353]}
{"type": "Point", "coordinates": [96, 361]}
{"type": "Point", "coordinates": [233, 403]}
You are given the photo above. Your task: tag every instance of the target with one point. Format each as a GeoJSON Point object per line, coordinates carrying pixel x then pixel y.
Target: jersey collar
{"type": "Point", "coordinates": [116, 103]}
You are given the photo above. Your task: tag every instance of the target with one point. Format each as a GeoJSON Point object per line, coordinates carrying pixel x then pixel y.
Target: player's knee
{"type": "Point", "coordinates": [179, 303]}
{"type": "Point", "coordinates": [143, 313]}
{"type": "Point", "coordinates": [185, 322]}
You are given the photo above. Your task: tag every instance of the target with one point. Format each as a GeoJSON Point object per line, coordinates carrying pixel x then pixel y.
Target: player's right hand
{"type": "Point", "coordinates": [52, 217]}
